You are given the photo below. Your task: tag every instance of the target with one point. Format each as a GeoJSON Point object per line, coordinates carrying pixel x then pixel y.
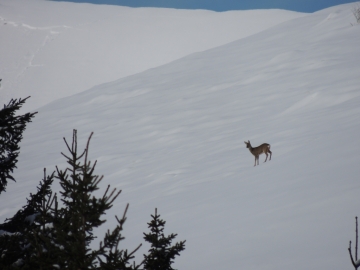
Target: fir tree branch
{"type": "Point", "coordinates": [87, 148]}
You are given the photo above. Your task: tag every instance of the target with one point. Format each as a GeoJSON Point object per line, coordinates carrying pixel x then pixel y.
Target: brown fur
{"type": "Point", "coordinates": [257, 151]}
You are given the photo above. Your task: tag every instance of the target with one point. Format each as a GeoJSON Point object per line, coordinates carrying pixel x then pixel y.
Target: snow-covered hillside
{"type": "Point", "coordinates": [51, 50]}
{"type": "Point", "coordinates": [172, 137]}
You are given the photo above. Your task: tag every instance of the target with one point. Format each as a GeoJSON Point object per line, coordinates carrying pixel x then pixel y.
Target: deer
{"type": "Point", "coordinates": [257, 151]}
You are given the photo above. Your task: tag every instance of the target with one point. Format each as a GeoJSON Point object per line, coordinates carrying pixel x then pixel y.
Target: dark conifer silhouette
{"type": "Point", "coordinates": [58, 235]}
{"type": "Point", "coordinates": [73, 224]}
{"type": "Point", "coordinates": [11, 128]}
{"type": "Point", "coordinates": [161, 254]}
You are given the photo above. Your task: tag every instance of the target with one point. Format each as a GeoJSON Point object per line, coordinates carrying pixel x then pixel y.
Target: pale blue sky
{"type": "Point", "coordinates": [223, 5]}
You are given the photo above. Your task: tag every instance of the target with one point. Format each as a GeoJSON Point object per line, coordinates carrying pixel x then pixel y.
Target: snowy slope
{"type": "Point", "coordinates": [172, 137]}
{"type": "Point", "coordinates": [58, 49]}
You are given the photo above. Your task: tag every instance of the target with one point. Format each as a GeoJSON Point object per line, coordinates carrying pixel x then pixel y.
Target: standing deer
{"type": "Point", "coordinates": [257, 151]}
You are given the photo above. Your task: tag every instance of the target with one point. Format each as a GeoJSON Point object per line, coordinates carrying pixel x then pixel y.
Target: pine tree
{"type": "Point", "coordinates": [66, 242]}
{"type": "Point", "coordinates": [14, 245]}
{"type": "Point", "coordinates": [57, 234]}
{"type": "Point", "coordinates": [161, 254]}
{"type": "Point", "coordinates": [11, 129]}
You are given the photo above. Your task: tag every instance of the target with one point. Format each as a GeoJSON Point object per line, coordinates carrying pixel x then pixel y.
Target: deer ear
{"type": "Point", "coordinates": [245, 142]}
{"type": "Point", "coordinates": [248, 141]}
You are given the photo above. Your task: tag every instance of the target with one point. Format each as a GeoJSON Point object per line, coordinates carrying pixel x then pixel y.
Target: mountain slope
{"type": "Point", "coordinates": [172, 137]}
{"type": "Point", "coordinates": [57, 49]}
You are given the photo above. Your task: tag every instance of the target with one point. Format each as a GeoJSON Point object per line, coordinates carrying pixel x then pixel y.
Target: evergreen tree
{"type": "Point", "coordinates": [66, 243]}
{"type": "Point", "coordinates": [161, 254]}
{"type": "Point", "coordinates": [14, 245]}
{"type": "Point", "coordinates": [11, 129]}
{"type": "Point", "coordinates": [57, 235]}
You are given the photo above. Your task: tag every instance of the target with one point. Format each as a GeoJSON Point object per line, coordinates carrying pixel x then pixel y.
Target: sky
{"type": "Point", "coordinates": [225, 5]}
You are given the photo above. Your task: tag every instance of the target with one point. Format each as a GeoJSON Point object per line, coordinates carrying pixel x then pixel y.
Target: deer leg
{"type": "Point", "coordinates": [270, 154]}
{"type": "Point", "coordinates": [255, 162]}
{"type": "Point", "coordinates": [266, 157]}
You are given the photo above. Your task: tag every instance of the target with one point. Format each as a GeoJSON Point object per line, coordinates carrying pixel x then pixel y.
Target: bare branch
{"type": "Point", "coordinates": [351, 257]}
{"type": "Point", "coordinates": [356, 244]}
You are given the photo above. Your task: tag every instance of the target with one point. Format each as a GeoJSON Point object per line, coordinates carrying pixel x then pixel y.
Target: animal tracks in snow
{"type": "Point", "coordinates": [42, 28]}
{"type": "Point", "coordinates": [38, 37]}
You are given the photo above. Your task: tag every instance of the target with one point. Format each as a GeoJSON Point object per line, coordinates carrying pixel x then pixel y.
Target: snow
{"type": "Point", "coordinates": [172, 138]}
{"type": "Point", "coordinates": [19, 262]}
{"type": "Point", "coordinates": [58, 49]}
{"type": "Point", "coordinates": [2, 232]}
{"type": "Point", "coordinates": [31, 218]}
